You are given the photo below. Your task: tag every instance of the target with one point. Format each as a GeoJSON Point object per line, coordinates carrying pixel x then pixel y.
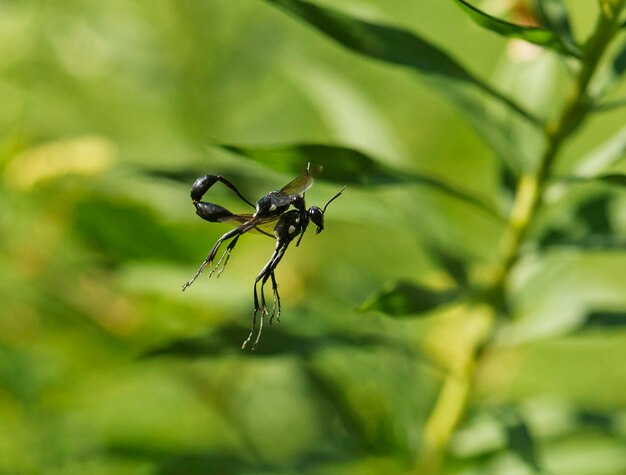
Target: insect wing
{"type": "Point", "coordinates": [263, 226]}
{"type": "Point", "coordinates": [237, 219]}
{"type": "Point", "coordinates": [302, 182]}
{"type": "Point", "coordinates": [266, 226]}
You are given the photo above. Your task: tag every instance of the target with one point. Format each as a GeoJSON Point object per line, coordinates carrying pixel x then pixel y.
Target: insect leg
{"type": "Point", "coordinates": [266, 271]}
{"type": "Point", "coordinates": [305, 224]}
{"type": "Point", "coordinates": [276, 307]}
{"type": "Point", "coordinates": [202, 185]}
{"type": "Point", "coordinates": [209, 259]}
{"type": "Point", "coordinates": [256, 303]}
{"type": "Point", "coordinates": [270, 273]}
{"type": "Point", "coordinates": [258, 335]}
{"type": "Point", "coordinates": [226, 255]}
{"type": "Point", "coordinates": [245, 343]}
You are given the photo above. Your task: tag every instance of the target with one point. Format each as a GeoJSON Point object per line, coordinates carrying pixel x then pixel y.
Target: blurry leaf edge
{"type": "Point", "coordinates": [535, 35]}
{"type": "Point", "coordinates": [404, 298]}
{"type": "Point", "coordinates": [407, 48]}
{"type": "Point", "coordinates": [349, 166]}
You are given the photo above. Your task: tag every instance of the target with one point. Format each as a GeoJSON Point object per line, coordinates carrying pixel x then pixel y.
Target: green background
{"type": "Point", "coordinates": [108, 113]}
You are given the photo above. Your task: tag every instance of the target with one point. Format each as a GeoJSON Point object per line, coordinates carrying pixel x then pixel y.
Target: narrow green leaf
{"type": "Point", "coordinates": [346, 166]}
{"type": "Point", "coordinates": [520, 440]}
{"type": "Point", "coordinates": [598, 420]}
{"type": "Point", "coordinates": [408, 299]}
{"type": "Point", "coordinates": [618, 65]}
{"type": "Point", "coordinates": [554, 15]}
{"type": "Point", "coordinates": [616, 179]}
{"type": "Point", "coordinates": [608, 78]}
{"type": "Point", "coordinates": [452, 263]}
{"type": "Point", "coordinates": [609, 105]}
{"type": "Point", "coordinates": [276, 341]}
{"type": "Point", "coordinates": [594, 214]}
{"type": "Point", "coordinates": [604, 320]}
{"type": "Point", "coordinates": [599, 160]}
{"type": "Point", "coordinates": [392, 45]}
{"type": "Point", "coordinates": [535, 35]}
{"type": "Point", "coordinates": [590, 229]}
{"type": "Point", "coordinates": [593, 242]}
{"type": "Point", "coordinates": [382, 42]}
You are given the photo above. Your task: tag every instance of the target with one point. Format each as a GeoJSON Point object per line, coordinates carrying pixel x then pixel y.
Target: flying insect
{"type": "Point", "coordinates": [272, 217]}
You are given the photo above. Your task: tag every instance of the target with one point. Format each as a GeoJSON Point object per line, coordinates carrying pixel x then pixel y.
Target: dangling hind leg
{"type": "Point", "coordinates": [276, 306]}
{"type": "Point", "coordinates": [267, 270]}
{"type": "Point", "coordinates": [226, 255]}
{"type": "Point", "coordinates": [245, 343]}
{"type": "Point", "coordinates": [256, 305]}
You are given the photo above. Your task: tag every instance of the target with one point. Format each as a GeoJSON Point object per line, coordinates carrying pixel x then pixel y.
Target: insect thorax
{"type": "Point", "coordinates": [272, 204]}
{"type": "Point", "coordinates": [290, 225]}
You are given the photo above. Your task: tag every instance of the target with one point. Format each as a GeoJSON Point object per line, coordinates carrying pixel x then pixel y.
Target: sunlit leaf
{"type": "Point", "coordinates": [535, 35]}
{"type": "Point", "coordinates": [607, 154]}
{"type": "Point", "coordinates": [346, 166]}
{"type": "Point", "coordinates": [440, 71]}
{"type": "Point", "coordinates": [407, 298]}
{"type": "Point", "coordinates": [390, 44]}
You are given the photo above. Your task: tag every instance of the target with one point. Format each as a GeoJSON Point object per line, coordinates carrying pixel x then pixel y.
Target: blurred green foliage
{"type": "Point", "coordinates": [110, 110]}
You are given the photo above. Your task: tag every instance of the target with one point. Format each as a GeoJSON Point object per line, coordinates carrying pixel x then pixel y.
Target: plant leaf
{"type": "Point", "coordinates": [452, 263]}
{"type": "Point", "coordinates": [279, 341]}
{"type": "Point", "coordinates": [609, 106]}
{"type": "Point", "coordinates": [346, 166]}
{"type": "Point", "coordinates": [382, 42]}
{"type": "Point", "coordinates": [616, 179]}
{"type": "Point", "coordinates": [597, 161]}
{"type": "Point", "coordinates": [520, 440]}
{"type": "Point", "coordinates": [610, 77]}
{"type": "Point", "coordinates": [535, 35]}
{"type": "Point", "coordinates": [604, 320]}
{"type": "Point", "coordinates": [618, 65]}
{"type": "Point", "coordinates": [593, 242]}
{"type": "Point", "coordinates": [591, 228]}
{"type": "Point", "coordinates": [599, 420]}
{"type": "Point", "coordinates": [392, 45]}
{"type": "Point", "coordinates": [408, 299]}
{"type": "Point", "coordinates": [554, 15]}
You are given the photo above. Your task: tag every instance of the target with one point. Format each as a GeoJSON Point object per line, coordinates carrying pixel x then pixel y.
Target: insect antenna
{"type": "Point", "coordinates": [334, 198]}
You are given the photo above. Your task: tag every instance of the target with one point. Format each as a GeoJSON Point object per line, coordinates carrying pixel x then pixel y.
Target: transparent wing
{"type": "Point", "coordinates": [263, 226]}
{"type": "Point", "coordinates": [302, 182]}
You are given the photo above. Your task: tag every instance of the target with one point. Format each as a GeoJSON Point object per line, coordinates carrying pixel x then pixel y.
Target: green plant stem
{"type": "Point", "coordinates": [452, 402]}
{"type": "Point", "coordinates": [529, 195]}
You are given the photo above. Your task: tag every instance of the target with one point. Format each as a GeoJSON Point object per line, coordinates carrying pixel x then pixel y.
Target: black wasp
{"type": "Point", "coordinates": [272, 218]}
